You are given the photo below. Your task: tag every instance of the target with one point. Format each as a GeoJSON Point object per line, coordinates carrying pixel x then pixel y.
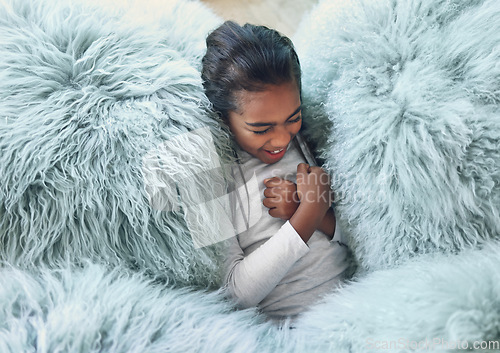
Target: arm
{"type": "Point", "coordinates": [249, 279]}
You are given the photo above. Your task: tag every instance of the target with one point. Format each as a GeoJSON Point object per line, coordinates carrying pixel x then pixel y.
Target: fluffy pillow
{"type": "Point", "coordinates": [104, 124]}
{"type": "Point", "coordinates": [95, 310]}
{"type": "Point", "coordinates": [434, 302]}
{"type": "Point", "coordinates": [410, 91]}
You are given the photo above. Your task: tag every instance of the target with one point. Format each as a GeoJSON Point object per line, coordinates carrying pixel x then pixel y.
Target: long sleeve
{"type": "Point", "coordinates": [337, 236]}
{"type": "Point", "coordinates": [249, 279]}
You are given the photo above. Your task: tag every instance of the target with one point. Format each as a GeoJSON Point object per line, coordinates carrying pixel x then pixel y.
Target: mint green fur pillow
{"type": "Point", "coordinates": [409, 92]}
{"type": "Point", "coordinates": [89, 100]}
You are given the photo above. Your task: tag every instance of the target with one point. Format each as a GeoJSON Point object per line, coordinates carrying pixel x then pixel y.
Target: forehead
{"type": "Point", "coordinates": [273, 103]}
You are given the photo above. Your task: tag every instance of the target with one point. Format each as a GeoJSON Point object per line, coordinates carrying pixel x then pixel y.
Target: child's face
{"type": "Point", "coordinates": [267, 121]}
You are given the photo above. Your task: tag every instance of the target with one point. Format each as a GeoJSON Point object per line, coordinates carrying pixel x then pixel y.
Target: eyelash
{"type": "Point", "coordinates": [260, 132]}
{"type": "Point", "coordinates": [296, 120]}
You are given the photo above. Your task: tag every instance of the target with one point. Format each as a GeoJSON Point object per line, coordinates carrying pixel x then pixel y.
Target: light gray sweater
{"type": "Point", "coordinates": [268, 264]}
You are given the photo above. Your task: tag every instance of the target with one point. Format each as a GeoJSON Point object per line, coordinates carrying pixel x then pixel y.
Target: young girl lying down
{"type": "Point", "coordinates": [289, 255]}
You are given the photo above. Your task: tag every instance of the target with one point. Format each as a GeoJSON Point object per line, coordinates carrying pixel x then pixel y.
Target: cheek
{"type": "Point", "coordinates": [248, 140]}
{"type": "Point", "coordinates": [239, 134]}
{"type": "Point", "coordinates": [257, 141]}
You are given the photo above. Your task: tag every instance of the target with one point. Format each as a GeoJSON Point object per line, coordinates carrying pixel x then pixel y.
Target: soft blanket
{"type": "Point", "coordinates": [112, 169]}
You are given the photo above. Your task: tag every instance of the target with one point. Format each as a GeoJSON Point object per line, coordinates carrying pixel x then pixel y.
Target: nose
{"type": "Point", "coordinates": [281, 138]}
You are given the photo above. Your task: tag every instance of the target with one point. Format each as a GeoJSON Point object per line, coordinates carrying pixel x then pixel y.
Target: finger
{"type": "Point", "coordinates": [268, 180]}
{"type": "Point", "coordinates": [321, 175]}
{"type": "Point", "coordinates": [270, 203]}
{"type": "Point", "coordinates": [303, 168]}
{"type": "Point", "coordinates": [273, 212]}
{"type": "Point", "coordinates": [270, 192]}
{"type": "Point", "coordinates": [272, 182]}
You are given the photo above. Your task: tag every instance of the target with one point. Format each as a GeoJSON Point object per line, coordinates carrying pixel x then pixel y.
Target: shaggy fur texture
{"type": "Point", "coordinates": [434, 299]}
{"type": "Point", "coordinates": [412, 91]}
{"type": "Point", "coordinates": [107, 165]}
{"type": "Point", "coordinates": [92, 310]}
{"type": "Point", "coordinates": [86, 96]}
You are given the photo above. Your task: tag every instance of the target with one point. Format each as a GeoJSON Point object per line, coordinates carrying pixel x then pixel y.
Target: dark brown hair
{"type": "Point", "coordinates": [246, 58]}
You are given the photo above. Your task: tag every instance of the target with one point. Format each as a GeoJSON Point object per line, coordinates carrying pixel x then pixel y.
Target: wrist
{"type": "Point", "coordinates": [307, 219]}
{"type": "Point", "coordinates": [316, 209]}
{"type": "Point", "coordinates": [328, 223]}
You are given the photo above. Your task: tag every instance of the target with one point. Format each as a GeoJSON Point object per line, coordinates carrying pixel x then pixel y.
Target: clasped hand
{"type": "Point", "coordinates": [283, 197]}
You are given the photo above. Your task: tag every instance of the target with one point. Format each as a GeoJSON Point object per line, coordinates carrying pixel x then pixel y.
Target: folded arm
{"type": "Point", "coordinates": [249, 279]}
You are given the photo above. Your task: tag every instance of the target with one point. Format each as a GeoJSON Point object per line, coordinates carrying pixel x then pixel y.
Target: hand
{"type": "Point", "coordinates": [281, 198]}
{"type": "Point", "coordinates": [313, 187]}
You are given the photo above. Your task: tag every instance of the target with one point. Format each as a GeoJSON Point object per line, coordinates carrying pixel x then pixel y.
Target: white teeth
{"type": "Point", "coordinates": [277, 151]}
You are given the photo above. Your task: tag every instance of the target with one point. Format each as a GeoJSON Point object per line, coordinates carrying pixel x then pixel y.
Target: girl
{"type": "Point", "coordinates": [284, 260]}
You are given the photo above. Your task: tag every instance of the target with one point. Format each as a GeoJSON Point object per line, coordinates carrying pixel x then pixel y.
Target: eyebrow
{"type": "Point", "coordinates": [272, 124]}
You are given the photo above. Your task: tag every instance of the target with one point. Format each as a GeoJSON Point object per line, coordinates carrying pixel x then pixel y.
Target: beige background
{"type": "Point", "coordinates": [283, 15]}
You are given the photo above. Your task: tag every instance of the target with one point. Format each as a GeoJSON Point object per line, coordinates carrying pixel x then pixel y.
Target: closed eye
{"type": "Point", "coordinates": [296, 120]}
{"type": "Point", "coordinates": [261, 132]}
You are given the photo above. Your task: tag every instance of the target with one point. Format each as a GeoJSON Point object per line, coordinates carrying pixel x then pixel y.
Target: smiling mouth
{"type": "Point", "coordinates": [276, 151]}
